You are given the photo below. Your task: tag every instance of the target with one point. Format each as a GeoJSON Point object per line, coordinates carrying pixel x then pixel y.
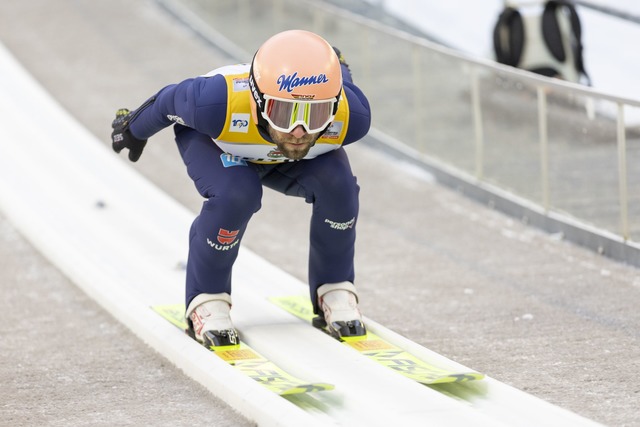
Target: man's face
{"type": "Point", "coordinates": [296, 144]}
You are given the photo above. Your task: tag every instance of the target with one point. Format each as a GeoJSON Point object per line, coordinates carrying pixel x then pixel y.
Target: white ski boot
{"type": "Point", "coordinates": [209, 321]}
{"type": "Point", "coordinates": [339, 312]}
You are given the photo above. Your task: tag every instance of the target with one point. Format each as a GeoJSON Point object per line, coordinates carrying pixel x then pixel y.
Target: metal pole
{"type": "Point", "coordinates": [366, 59]}
{"type": "Point", "coordinates": [477, 122]}
{"type": "Point", "coordinates": [417, 97]}
{"type": "Point", "coordinates": [279, 14]}
{"type": "Point", "coordinates": [543, 133]}
{"type": "Point", "coordinates": [622, 173]}
{"type": "Point", "coordinates": [318, 21]}
{"type": "Point", "coordinates": [611, 11]}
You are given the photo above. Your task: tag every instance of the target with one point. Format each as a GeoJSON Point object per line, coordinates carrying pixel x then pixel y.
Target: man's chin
{"type": "Point", "coordinates": [287, 144]}
{"type": "Point", "coordinates": [295, 152]}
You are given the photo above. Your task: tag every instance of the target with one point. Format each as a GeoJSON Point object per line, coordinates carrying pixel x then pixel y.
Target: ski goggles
{"type": "Point", "coordinates": [285, 115]}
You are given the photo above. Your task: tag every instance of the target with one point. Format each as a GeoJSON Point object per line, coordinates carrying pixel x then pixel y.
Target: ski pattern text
{"type": "Point", "coordinates": [384, 352]}
{"type": "Point", "coordinates": [248, 361]}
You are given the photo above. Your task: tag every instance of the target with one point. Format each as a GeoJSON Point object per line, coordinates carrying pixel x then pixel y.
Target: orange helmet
{"type": "Point", "coordinates": [295, 79]}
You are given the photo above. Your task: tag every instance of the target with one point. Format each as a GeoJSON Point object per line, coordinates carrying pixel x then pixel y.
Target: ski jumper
{"type": "Point", "coordinates": [230, 159]}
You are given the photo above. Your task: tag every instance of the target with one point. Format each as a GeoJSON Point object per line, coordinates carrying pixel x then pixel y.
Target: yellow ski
{"type": "Point", "coordinates": [384, 352]}
{"type": "Point", "coordinates": [248, 361]}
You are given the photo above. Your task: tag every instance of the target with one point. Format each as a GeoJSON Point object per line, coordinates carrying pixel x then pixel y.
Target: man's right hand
{"type": "Point", "coordinates": [121, 136]}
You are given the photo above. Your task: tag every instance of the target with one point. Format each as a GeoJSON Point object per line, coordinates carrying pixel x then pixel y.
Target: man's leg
{"type": "Point", "coordinates": [233, 192]}
{"type": "Point", "coordinates": [328, 183]}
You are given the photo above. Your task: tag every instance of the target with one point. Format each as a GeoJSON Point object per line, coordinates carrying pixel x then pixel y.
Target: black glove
{"type": "Point", "coordinates": [122, 137]}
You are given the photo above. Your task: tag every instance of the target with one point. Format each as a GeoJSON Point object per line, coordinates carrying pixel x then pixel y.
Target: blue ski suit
{"type": "Point", "coordinates": [230, 159]}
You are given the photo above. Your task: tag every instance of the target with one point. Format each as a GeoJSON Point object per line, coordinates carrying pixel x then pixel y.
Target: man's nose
{"type": "Point", "coordinates": [298, 131]}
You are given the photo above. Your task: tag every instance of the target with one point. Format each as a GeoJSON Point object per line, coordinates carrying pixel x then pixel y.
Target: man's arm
{"type": "Point", "coordinates": [359, 113]}
{"type": "Point", "coordinates": [359, 109]}
{"type": "Point", "coordinates": [199, 103]}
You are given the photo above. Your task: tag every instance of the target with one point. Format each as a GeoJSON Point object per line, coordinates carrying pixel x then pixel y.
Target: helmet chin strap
{"type": "Point", "coordinates": [255, 92]}
{"type": "Point", "coordinates": [262, 127]}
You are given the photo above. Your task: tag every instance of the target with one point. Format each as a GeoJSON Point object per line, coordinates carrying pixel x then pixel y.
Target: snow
{"type": "Point", "coordinates": [467, 25]}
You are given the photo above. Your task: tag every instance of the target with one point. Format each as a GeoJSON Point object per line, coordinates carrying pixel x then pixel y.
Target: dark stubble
{"type": "Point", "coordinates": [291, 147]}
